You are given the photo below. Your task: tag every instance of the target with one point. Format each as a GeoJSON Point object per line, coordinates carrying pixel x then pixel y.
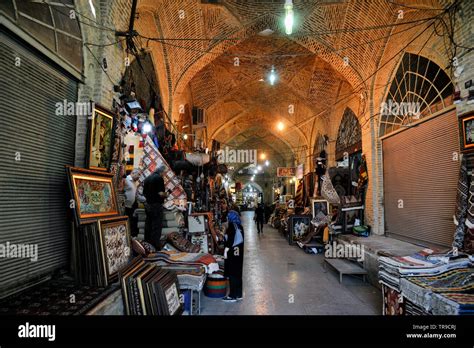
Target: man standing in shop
{"type": "Point", "coordinates": [155, 194]}
{"type": "Point", "coordinates": [234, 256]}
{"type": "Point", "coordinates": [131, 183]}
{"type": "Point", "coordinates": [260, 217]}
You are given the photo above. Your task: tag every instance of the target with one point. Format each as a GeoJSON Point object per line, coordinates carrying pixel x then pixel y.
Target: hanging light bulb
{"type": "Point", "coordinates": [267, 163]}
{"type": "Point", "coordinates": [280, 126]}
{"type": "Point", "coordinates": [272, 77]}
{"type": "Point", "coordinates": [259, 168]}
{"type": "Point", "coordinates": [185, 137]}
{"type": "Point", "coordinates": [289, 18]}
{"type": "Point", "coordinates": [146, 128]}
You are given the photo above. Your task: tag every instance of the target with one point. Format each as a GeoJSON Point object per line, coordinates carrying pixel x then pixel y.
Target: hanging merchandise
{"type": "Point", "coordinates": [328, 192]}
{"type": "Point", "coordinates": [151, 160]}
{"type": "Point", "coordinates": [299, 193]}
{"type": "Point", "coordinates": [461, 205]}
{"type": "Point", "coordinates": [320, 164]}
{"type": "Point", "coordinates": [197, 158]}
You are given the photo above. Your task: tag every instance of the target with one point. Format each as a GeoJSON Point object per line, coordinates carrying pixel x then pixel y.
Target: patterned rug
{"type": "Point", "coordinates": [173, 257]}
{"type": "Point", "coordinates": [54, 298]}
{"type": "Point", "coordinates": [420, 290]}
{"type": "Point", "coordinates": [453, 304]}
{"type": "Point", "coordinates": [461, 205]}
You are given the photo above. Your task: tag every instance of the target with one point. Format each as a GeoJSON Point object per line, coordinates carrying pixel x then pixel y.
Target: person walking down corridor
{"type": "Point", "coordinates": [234, 256]}
{"type": "Point", "coordinates": [260, 217]}
{"type": "Point", "coordinates": [154, 192]}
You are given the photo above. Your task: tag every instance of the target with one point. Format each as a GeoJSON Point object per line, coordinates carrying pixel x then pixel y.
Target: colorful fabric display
{"type": "Point", "coordinates": [181, 243]}
{"type": "Point", "coordinates": [180, 258]}
{"type": "Point", "coordinates": [151, 160]}
{"type": "Point", "coordinates": [328, 192]}
{"type": "Point", "coordinates": [393, 303]}
{"type": "Point", "coordinates": [461, 206]}
{"type": "Point", "coordinates": [453, 304]}
{"type": "Point", "coordinates": [420, 289]}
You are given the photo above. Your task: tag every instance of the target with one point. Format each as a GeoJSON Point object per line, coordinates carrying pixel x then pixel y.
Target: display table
{"type": "Point", "coordinates": [344, 266]}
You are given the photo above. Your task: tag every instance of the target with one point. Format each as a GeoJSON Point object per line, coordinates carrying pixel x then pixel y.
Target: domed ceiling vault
{"type": "Point", "coordinates": [236, 43]}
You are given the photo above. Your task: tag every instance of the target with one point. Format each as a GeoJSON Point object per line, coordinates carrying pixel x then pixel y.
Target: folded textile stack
{"type": "Point", "coordinates": [173, 257]}
{"type": "Point", "coordinates": [424, 262]}
{"type": "Point", "coordinates": [421, 289]}
{"type": "Point", "coordinates": [453, 304]}
{"type": "Point", "coordinates": [190, 277]}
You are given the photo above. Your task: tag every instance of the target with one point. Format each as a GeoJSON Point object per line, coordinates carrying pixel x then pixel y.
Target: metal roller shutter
{"type": "Point", "coordinates": [419, 170]}
{"type": "Point", "coordinates": [33, 190]}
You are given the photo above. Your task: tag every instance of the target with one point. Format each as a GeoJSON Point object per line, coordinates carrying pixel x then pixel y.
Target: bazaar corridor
{"type": "Point", "coordinates": [275, 273]}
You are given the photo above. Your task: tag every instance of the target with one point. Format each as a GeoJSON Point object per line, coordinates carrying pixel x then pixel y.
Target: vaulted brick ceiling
{"type": "Point", "coordinates": [311, 64]}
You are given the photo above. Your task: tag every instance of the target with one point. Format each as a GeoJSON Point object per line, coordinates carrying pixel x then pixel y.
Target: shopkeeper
{"type": "Point", "coordinates": [131, 183]}
{"type": "Point", "coordinates": [155, 194]}
{"type": "Point", "coordinates": [234, 256]}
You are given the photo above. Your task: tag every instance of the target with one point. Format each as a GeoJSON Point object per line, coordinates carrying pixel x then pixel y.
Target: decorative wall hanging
{"type": "Point", "coordinates": [466, 129]}
{"type": "Point", "coordinates": [286, 172]}
{"type": "Point", "coordinates": [196, 224]}
{"type": "Point", "coordinates": [115, 244]}
{"type": "Point", "coordinates": [202, 240]}
{"type": "Point", "coordinates": [151, 160]}
{"type": "Point", "coordinates": [101, 139]}
{"type": "Point", "coordinates": [93, 193]}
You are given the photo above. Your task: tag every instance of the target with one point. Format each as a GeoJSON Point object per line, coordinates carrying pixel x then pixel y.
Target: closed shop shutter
{"type": "Point", "coordinates": [420, 174]}
{"type": "Point", "coordinates": [35, 145]}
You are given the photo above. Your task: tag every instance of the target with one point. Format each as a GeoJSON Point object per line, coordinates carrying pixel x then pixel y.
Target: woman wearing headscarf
{"type": "Point", "coordinates": [234, 256]}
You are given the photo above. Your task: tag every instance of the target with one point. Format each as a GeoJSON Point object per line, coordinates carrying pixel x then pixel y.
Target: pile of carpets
{"type": "Point", "coordinates": [191, 268]}
{"type": "Point", "coordinates": [423, 280]}
{"type": "Point", "coordinates": [424, 262]}
{"type": "Point", "coordinates": [453, 304]}
{"type": "Point", "coordinates": [421, 290]}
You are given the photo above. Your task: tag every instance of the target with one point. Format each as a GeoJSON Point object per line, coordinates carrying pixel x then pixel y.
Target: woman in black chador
{"type": "Point", "coordinates": [234, 256]}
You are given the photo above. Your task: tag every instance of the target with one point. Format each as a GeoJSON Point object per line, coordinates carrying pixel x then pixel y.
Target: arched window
{"type": "Point", "coordinates": [349, 136]}
{"type": "Point", "coordinates": [419, 89]}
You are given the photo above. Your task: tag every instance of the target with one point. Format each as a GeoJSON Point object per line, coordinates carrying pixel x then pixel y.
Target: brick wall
{"type": "Point", "coordinates": [97, 85]}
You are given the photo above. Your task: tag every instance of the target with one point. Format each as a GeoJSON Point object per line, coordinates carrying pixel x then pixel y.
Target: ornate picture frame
{"type": "Point", "coordinates": [466, 130]}
{"type": "Point", "coordinates": [101, 139]}
{"type": "Point", "coordinates": [116, 246]}
{"type": "Point", "coordinates": [93, 194]}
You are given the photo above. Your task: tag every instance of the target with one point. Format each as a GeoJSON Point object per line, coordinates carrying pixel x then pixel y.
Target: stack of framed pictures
{"type": "Point", "coordinates": [150, 290]}
{"type": "Point", "coordinates": [101, 237]}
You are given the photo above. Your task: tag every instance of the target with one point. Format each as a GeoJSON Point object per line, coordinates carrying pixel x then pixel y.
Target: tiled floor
{"type": "Point", "coordinates": [280, 279]}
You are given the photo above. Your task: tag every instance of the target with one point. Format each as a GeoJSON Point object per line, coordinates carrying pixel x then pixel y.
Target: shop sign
{"type": "Point", "coordinates": [286, 172]}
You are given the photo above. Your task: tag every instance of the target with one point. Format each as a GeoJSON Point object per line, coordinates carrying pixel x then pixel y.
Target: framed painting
{"type": "Point", "coordinates": [115, 244]}
{"type": "Point", "coordinates": [196, 224]}
{"type": "Point", "coordinates": [298, 227]}
{"type": "Point", "coordinates": [319, 205]}
{"type": "Point", "coordinates": [101, 139]}
{"type": "Point", "coordinates": [202, 240]}
{"type": "Point", "coordinates": [466, 128]}
{"type": "Point", "coordinates": [172, 297]}
{"type": "Point", "coordinates": [93, 193]}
